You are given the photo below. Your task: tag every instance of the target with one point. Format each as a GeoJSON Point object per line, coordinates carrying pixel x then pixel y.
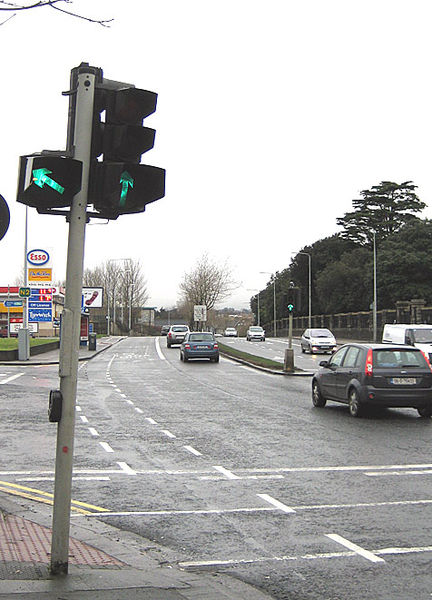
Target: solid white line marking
{"type": "Point", "coordinates": [106, 447]}
{"type": "Point", "coordinates": [357, 549]}
{"type": "Point", "coordinates": [276, 503]}
{"type": "Point", "coordinates": [126, 468]}
{"type": "Point", "coordinates": [158, 350]}
{"type": "Point", "coordinates": [138, 410]}
{"type": "Point", "coordinates": [211, 511]}
{"type": "Point", "coordinates": [228, 474]}
{"type": "Point", "coordinates": [96, 478]}
{"type": "Point", "coordinates": [192, 450]}
{"type": "Point", "coordinates": [399, 473]}
{"type": "Point", "coordinates": [168, 433]}
{"type": "Point", "coordinates": [241, 477]}
{"type": "Point", "coordinates": [151, 421]}
{"type": "Point", "coordinates": [84, 419]}
{"type": "Point", "coordinates": [93, 432]}
{"type": "Point", "coordinates": [11, 378]}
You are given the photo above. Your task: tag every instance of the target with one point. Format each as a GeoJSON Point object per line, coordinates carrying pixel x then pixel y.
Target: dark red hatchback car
{"type": "Point", "coordinates": [376, 375]}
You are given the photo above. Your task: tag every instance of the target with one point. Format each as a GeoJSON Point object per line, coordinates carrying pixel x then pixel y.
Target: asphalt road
{"type": "Point", "coordinates": [225, 468]}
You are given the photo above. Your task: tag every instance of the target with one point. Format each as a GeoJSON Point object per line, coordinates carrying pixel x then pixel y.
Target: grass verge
{"type": "Point", "coordinates": [12, 343]}
{"type": "Point", "coordinates": [260, 361]}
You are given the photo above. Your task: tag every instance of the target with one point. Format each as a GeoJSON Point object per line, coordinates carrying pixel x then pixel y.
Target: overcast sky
{"type": "Point", "coordinates": [272, 116]}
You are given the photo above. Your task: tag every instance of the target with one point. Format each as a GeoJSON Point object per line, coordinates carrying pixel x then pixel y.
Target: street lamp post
{"type": "Point", "coordinates": [310, 287]}
{"type": "Point", "coordinates": [274, 298]}
{"type": "Point", "coordinates": [374, 310]}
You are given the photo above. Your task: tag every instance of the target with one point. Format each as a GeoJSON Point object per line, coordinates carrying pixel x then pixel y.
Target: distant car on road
{"type": "Point", "coordinates": [362, 375]}
{"type": "Point", "coordinates": [165, 329]}
{"type": "Point", "coordinates": [199, 344]}
{"type": "Point", "coordinates": [255, 332]}
{"type": "Point", "coordinates": [176, 334]}
{"type": "Point", "coordinates": [318, 340]}
{"type": "Point", "coordinates": [230, 332]}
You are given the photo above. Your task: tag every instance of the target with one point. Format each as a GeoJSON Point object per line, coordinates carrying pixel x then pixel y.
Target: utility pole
{"type": "Point", "coordinates": [83, 81]}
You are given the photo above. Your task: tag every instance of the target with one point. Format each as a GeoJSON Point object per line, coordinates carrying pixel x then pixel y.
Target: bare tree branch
{"type": "Point", "coordinates": [11, 6]}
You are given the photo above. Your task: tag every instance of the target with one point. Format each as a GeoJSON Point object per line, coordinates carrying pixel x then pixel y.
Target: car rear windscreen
{"type": "Point", "coordinates": [398, 358]}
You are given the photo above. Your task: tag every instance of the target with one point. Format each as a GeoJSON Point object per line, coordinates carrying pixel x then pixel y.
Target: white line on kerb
{"type": "Point", "coordinates": [276, 503]}
{"type": "Point", "coordinates": [106, 447]}
{"type": "Point", "coordinates": [158, 350]}
{"type": "Point", "coordinates": [357, 549]}
{"type": "Point", "coordinates": [228, 474]}
{"type": "Point", "coordinates": [11, 378]}
{"type": "Point", "coordinates": [192, 450]}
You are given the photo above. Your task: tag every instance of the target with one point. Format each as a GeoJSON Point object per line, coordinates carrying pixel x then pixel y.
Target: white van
{"type": "Point", "coordinates": [419, 336]}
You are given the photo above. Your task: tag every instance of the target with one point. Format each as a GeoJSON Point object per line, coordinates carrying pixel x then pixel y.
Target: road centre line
{"type": "Point", "coordinates": [11, 378]}
{"type": "Point", "coordinates": [357, 549]}
{"type": "Point", "coordinates": [276, 503]}
{"type": "Point", "coordinates": [398, 473]}
{"type": "Point", "coordinates": [228, 474]}
{"type": "Point", "coordinates": [168, 433]}
{"type": "Point", "coordinates": [192, 450]}
{"type": "Point", "coordinates": [95, 478]}
{"type": "Point", "coordinates": [240, 477]}
{"type": "Point", "coordinates": [106, 447]}
{"type": "Point", "coordinates": [126, 468]}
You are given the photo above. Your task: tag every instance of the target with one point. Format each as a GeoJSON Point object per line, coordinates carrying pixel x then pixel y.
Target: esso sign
{"type": "Point", "coordinates": [38, 257]}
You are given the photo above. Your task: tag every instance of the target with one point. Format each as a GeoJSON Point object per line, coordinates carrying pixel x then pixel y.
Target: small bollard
{"type": "Point", "coordinates": [289, 360]}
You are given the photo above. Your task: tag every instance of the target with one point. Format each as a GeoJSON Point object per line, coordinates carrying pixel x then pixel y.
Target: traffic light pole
{"type": "Point", "coordinates": [71, 323]}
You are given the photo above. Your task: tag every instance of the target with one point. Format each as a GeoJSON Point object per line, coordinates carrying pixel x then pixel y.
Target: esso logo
{"type": "Point", "coordinates": [38, 257]}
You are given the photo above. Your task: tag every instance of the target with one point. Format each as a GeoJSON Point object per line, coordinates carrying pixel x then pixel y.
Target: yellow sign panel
{"type": "Point", "coordinates": [39, 274]}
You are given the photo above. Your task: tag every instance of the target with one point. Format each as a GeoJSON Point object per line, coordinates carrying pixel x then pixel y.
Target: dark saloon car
{"type": "Point", "coordinates": [164, 329]}
{"type": "Point", "coordinates": [199, 344]}
{"type": "Point", "coordinates": [362, 375]}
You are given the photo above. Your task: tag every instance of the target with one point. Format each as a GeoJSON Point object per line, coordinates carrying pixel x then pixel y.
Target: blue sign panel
{"type": "Point", "coordinates": [41, 314]}
{"type": "Point", "coordinates": [9, 303]}
{"type": "Point", "coordinates": [47, 305]}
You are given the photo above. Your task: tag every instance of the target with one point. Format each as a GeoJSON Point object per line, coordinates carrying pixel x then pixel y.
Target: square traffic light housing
{"type": "Point", "coordinates": [123, 188]}
{"type": "Point", "coordinates": [48, 181]}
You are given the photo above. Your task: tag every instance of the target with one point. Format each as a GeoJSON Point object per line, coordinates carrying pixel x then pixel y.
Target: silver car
{"type": "Point", "coordinates": [176, 334]}
{"type": "Point", "coordinates": [255, 332]}
{"type": "Point", "coordinates": [318, 340]}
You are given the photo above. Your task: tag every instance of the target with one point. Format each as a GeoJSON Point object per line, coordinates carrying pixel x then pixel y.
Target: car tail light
{"type": "Point", "coordinates": [369, 365]}
{"type": "Point", "coordinates": [170, 334]}
{"type": "Point", "coordinates": [187, 346]}
{"type": "Point", "coordinates": [426, 359]}
{"type": "Point", "coordinates": [215, 345]}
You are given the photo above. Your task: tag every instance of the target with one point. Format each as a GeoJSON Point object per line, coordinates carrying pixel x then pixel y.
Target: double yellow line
{"type": "Point", "coordinates": [47, 498]}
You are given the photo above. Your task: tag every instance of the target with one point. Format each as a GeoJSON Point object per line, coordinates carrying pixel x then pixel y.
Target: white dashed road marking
{"type": "Point", "coordinates": [11, 378]}
{"type": "Point", "coordinates": [276, 503]}
{"type": "Point", "coordinates": [357, 549]}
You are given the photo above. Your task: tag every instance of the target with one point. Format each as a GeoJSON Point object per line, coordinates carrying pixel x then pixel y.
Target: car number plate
{"type": "Point", "coordinates": [403, 380]}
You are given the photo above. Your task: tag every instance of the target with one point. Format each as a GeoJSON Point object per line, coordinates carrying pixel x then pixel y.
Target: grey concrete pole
{"type": "Point", "coordinates": [69, 348]}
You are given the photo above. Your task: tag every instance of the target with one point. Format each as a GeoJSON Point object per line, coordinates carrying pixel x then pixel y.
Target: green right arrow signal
{"type": "Point", "coordinates": [126, 180]}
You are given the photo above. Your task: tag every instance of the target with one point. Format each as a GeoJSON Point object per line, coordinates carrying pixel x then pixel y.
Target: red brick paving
{"type": "Point", "coordinates": [22, 540]}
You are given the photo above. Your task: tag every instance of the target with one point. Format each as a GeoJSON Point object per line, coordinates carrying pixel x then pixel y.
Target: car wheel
{"type": "Point", "coordinates": [355, 406]}
{"type": "Point", "coordinates": [425, 411]}
{"type": "Point", "coordinates": [185, 358]}
{"type": "Point", "coordinates": [318, 399]}
{"type": "Point", "coordinates": [181, 356]}
{"type": "Point", "coordinates": [303, 350]}
{"type": "Point", "coordinates": [263, 339]}
{"type": "Point", "coordinates": [168, 345]}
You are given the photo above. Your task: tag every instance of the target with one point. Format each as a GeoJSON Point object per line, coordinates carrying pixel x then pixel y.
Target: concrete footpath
{"type": "Point", "coordinates": [105, 563]}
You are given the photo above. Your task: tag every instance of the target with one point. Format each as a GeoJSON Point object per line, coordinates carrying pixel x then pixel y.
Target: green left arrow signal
{"type": "Point", "coordinates": [126, 181]}
{"type": "Point", "coordinates": [40, 178]}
